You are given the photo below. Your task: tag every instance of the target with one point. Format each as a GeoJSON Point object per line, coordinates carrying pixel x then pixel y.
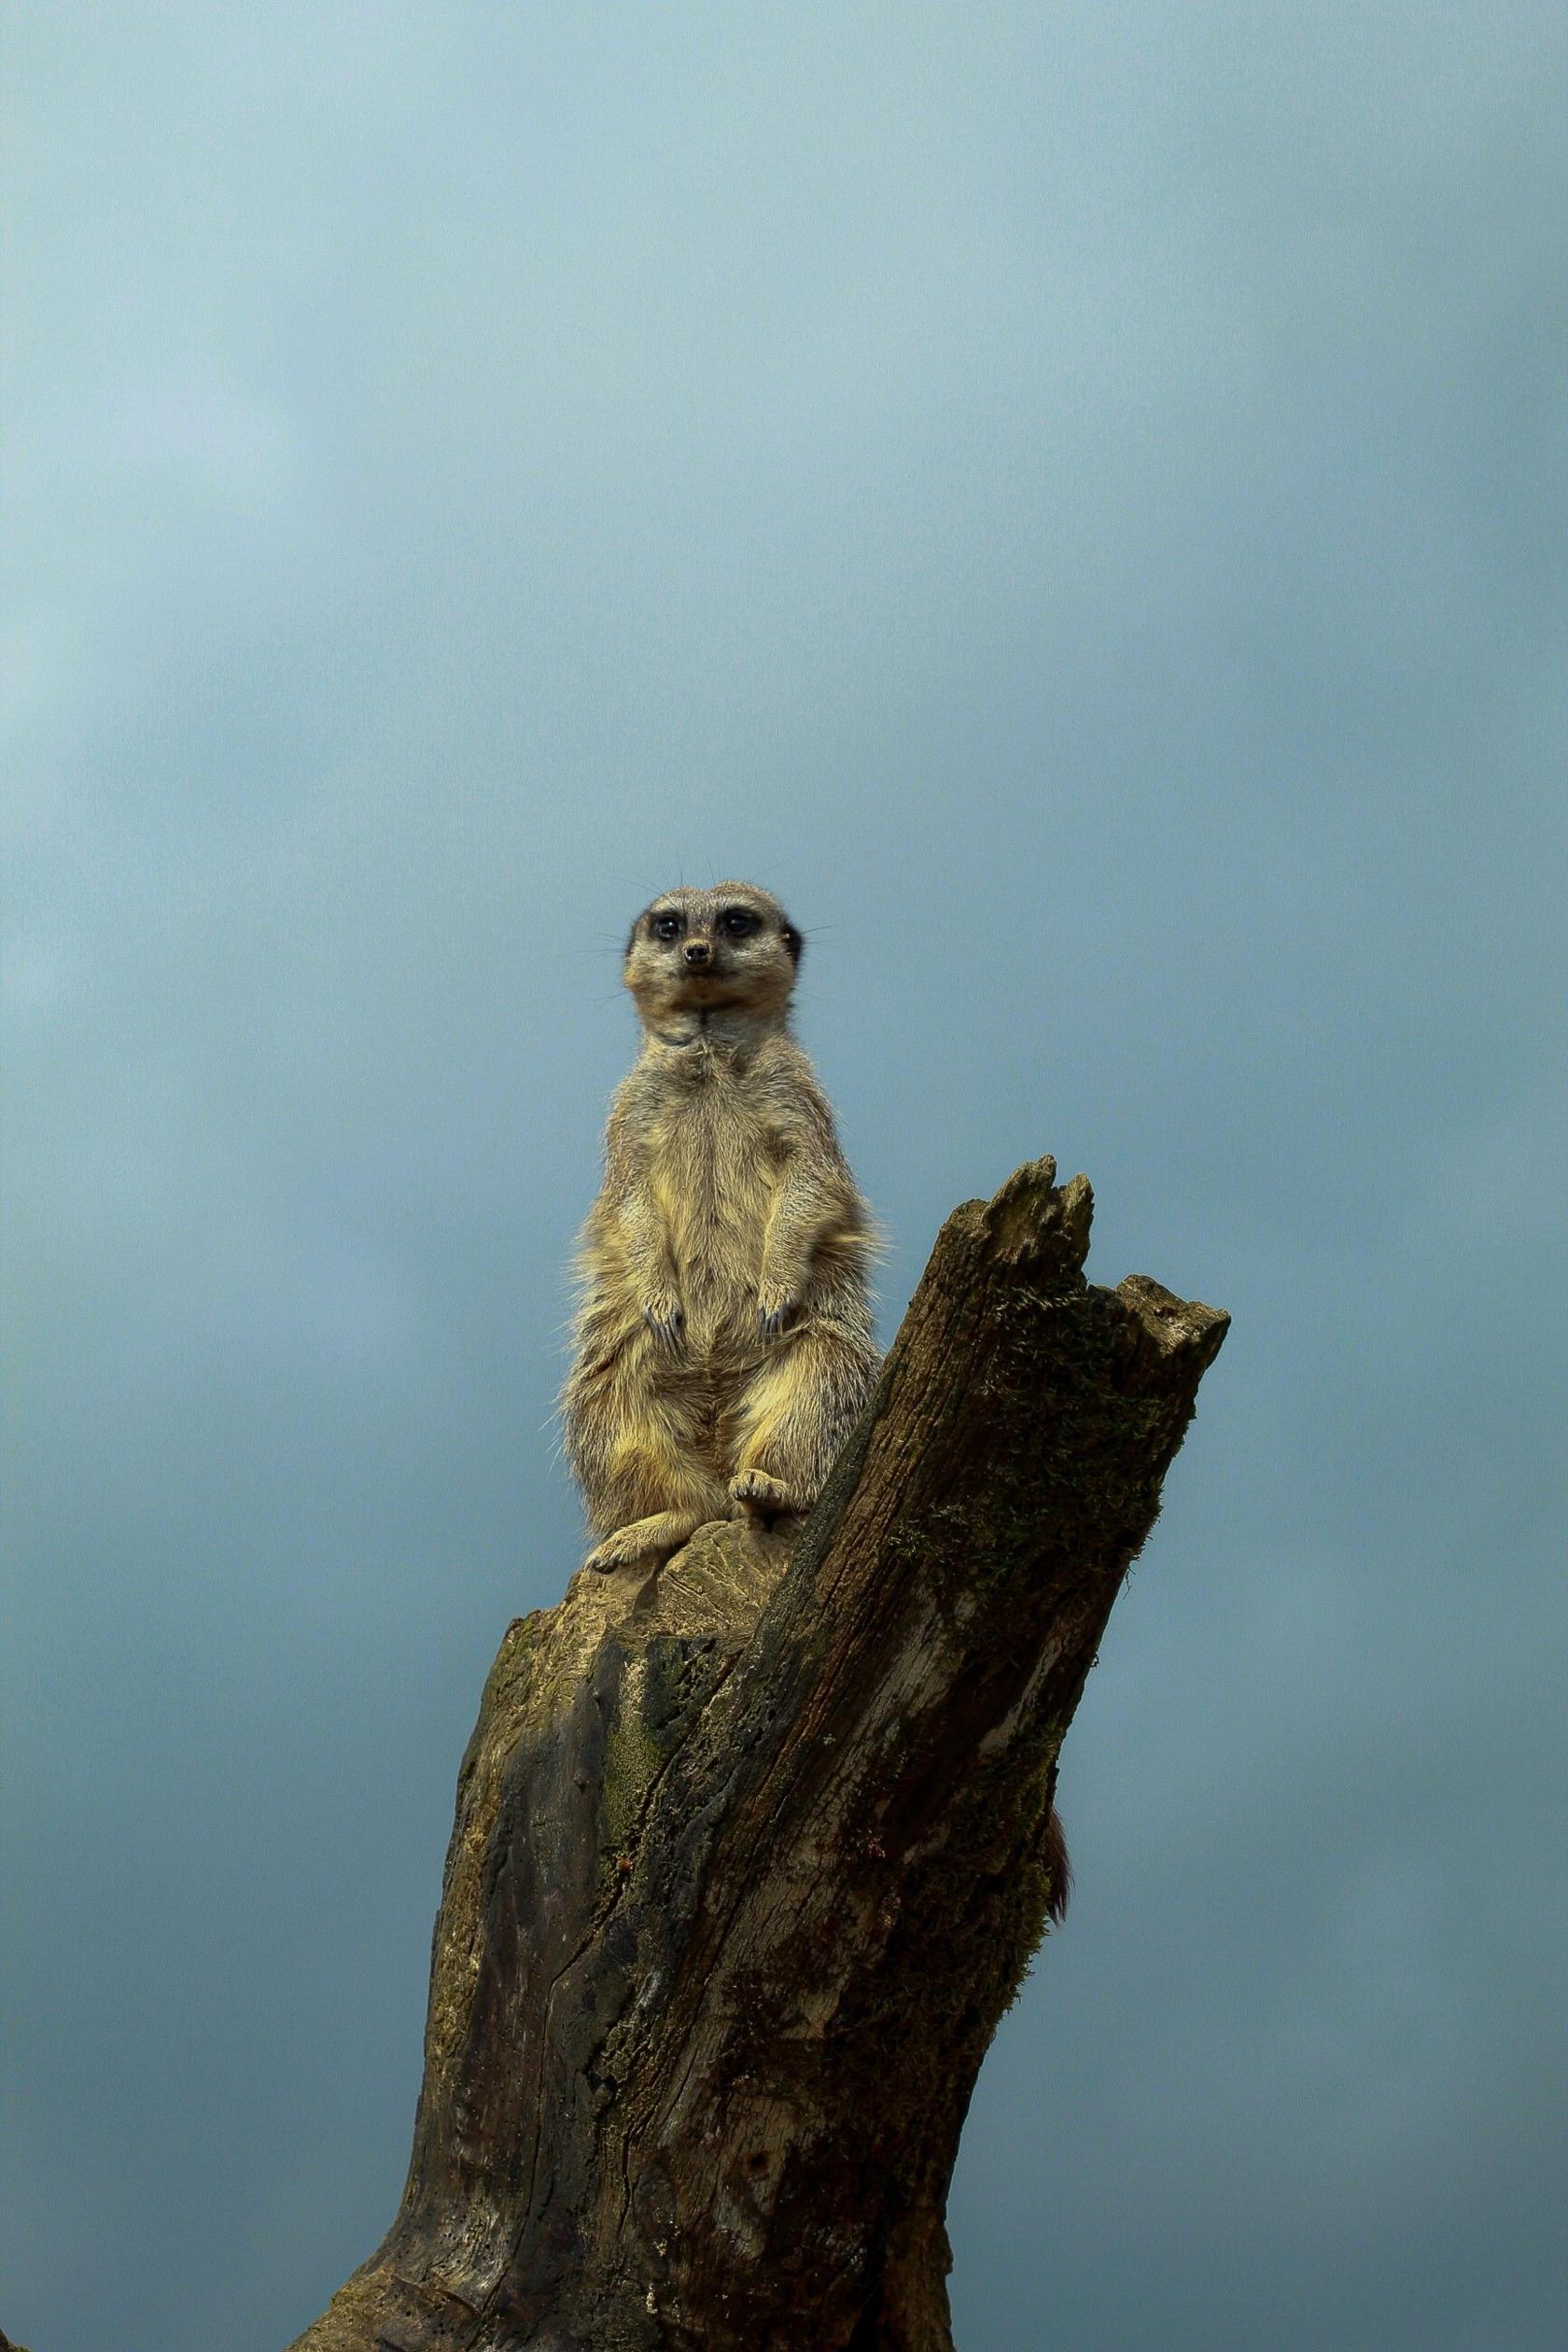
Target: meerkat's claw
{"type": "Point", "coordinates": [756, 1492]}
{"type": "Point", "coordinates": [771, 1320]}
{"type": "Point", "coordinates": [666, 1319]}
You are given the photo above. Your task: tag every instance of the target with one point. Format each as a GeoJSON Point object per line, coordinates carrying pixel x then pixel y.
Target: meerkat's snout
{"type": "Point", "coordinates": [698, 952]}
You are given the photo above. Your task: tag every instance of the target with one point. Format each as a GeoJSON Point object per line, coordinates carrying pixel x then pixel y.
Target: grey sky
{"type": "Point", "coordinates": [1074, 501]}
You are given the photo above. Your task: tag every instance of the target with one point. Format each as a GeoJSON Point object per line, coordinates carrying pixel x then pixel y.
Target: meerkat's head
{"type": "Point", "coordinates": [699, 951]}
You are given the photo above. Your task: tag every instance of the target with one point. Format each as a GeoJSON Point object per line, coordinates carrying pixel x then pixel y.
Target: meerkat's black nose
{"type": "Point", "coordinates": [698, 951]}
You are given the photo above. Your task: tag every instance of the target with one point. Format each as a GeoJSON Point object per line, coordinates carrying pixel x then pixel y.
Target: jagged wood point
{"type": "Point", "coordinates": [751, 1853]}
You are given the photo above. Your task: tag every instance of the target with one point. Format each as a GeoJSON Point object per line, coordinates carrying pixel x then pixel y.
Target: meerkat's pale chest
{"type": "Point", "coordinates": [714, 1166]}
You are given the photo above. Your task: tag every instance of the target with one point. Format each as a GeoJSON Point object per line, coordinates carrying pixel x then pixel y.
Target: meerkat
{"type": "Point", "coordinates": [723, 1342]}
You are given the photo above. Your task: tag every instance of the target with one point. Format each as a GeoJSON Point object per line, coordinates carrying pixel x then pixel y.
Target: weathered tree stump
{"type": "Point", "coordinates": [751, 1855]}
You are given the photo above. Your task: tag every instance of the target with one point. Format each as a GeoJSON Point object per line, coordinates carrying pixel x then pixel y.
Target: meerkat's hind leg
{"type": "Point", "coordinates": [635, 1433]}
{"type": "Point", "coordinates": [655, 1537]}
{"type": "Point", "coordinates": [800, 1406]}
{"type": "Point", "coordinates": [660, 1497]}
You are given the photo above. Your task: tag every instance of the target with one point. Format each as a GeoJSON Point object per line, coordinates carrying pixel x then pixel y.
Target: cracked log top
{"type": "Point", "coordinates": [751, 1853]}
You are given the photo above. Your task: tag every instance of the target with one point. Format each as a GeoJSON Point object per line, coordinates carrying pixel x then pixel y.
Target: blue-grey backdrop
{"type": "Point", "coordinates": [1071, 497]}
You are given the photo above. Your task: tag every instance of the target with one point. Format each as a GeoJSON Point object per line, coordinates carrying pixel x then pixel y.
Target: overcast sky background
{"type": "Point", "coordinates": [1074, 500]}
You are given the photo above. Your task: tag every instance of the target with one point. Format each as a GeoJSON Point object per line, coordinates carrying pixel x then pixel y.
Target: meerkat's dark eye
{"type": "Point", "coordinates": [665, 926]}
{"type": "Point", "coordinates": [738, 922]}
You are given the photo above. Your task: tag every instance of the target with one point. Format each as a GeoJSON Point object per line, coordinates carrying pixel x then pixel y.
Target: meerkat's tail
{"type": "Point", "coordinates": [1056, 1859]}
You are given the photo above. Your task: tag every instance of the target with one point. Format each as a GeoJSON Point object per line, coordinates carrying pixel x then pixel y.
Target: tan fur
{"type": "Point", "coordinates": [724, 1344]}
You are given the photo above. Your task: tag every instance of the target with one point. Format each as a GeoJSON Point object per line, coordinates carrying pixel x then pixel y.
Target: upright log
{"type": "Point", "coordinates": [751, 1855]}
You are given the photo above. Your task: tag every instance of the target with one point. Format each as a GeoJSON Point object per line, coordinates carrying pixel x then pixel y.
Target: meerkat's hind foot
{"type": "Point", "coordinates": [654, 1538]}
{"type": "Point", "coordinates": [756, 1495]}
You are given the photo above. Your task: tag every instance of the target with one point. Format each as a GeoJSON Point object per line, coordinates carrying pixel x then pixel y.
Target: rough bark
{"type": "Point", "coordinates": [751, 1855]}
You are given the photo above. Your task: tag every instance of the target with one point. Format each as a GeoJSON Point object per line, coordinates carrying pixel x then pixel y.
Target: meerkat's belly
{"type": "Point", "coordinates": [715, 1175]}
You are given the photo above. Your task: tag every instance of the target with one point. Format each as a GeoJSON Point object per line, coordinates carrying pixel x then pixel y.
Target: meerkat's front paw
{"type": "Point", "coordinates": [774, 1309]}
{"type": "Point", "coordinates": [757, 1493]}
{"type": "Point", "coordinates": [665, 1317]}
